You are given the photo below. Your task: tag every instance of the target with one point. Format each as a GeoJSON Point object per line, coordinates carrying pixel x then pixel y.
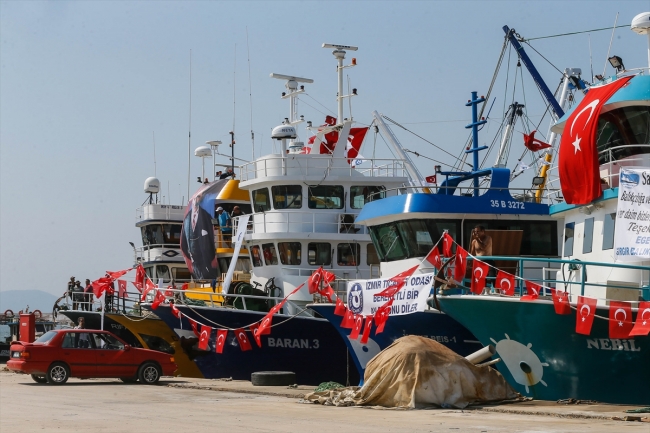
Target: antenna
{"type": "Point", "coordinates": [339, 53]}
{"type": "Point", "coordinates": [610, 44]}
{"type": "Point", "coordinates": [189, 135]}
{"type": "Point", "coordinates": [154, 153]}
{"type": "Point", "coordinates": [234, 91]}
{"type": "Point", "coordinates": [292, 86]}
{"type": "Point", "coordinates": [250, 94]}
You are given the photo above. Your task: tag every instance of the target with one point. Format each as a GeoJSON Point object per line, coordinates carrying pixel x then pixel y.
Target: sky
{"type": "Point", "coordinates": [89, 89]}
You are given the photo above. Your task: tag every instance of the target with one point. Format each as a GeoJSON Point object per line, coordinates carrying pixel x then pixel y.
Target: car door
{"type": "Point", "coordinates": [114, 358]}
{"type": "Point", "coordinates": [80, 357]}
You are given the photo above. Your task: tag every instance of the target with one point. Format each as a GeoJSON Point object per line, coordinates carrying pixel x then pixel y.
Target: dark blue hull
{"type": "Point", "coordinates": [309, 347]}
{"type": "Point", "coordinates": [431, 324]}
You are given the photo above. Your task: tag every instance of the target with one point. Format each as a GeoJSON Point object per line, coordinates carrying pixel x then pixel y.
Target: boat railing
{"type": "Point", "coordinates": [157, 211]}
{"type": "Point", "coordinates": [302, 222]}
{"type": "Point", "coordinates": [321, 165]}
{"type": "Point", "coordinates": [520, 194]}
{"type": "Point", "coordinates": [611, 160]}
{"type": "Point", "coordinates": [574, 276]}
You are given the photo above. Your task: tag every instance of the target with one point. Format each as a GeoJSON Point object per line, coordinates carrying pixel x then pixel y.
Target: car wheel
{"type": "Point", "coordinates": [38, 378]}
{"type": "Point", "coordinates": [58, 374]}
{"type": "Point", "coordinates": [149, 373]}
{"type": "Point", "coordinates": [129, 379]}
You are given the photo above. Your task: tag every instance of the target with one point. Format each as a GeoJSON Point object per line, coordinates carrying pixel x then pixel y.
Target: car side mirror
{"type": "Point", "coordinates": [127, 347]}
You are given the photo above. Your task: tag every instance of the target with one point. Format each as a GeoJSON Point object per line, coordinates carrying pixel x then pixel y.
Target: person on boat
{"type": "Point", "coordinates": [482, 246]}
{"type": "Point", "coordinates": [83, 341]}
{"type": "Point", "coordinates": [225, 223]}
{"type": "Point", "coordinates": [77, 296]}
{"type": "Point", "coordinates": [70, 287]}
{"type": "Point", "coordinates": [227, 174]}
{"type": "Point", "coordinates": [88, 296]}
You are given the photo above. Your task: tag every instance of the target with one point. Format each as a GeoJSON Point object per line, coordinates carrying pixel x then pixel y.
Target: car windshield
{"type": "Point", "coordinates": [45, 338]}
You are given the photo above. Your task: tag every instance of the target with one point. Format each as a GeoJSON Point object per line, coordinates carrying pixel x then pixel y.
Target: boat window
{"type": "Point", "coordinates": [569, 229]}
{"type": "Point", "coordinates": [256, 257]}
{"type": "Point", "coordinates": [45, 338]}
{"type": "Point", "coordinates": [162, 271]}
{"type": "Point", "coordinates": [325, 197]}
{"type": "Point", "coordinates": [360, 195]}
{"type": "Point", "coordinates": [588, 238]}
{"type": "Point", "coordinates": [371, 255]}
{"type": "Point", "coordinates": [157, 343]}
{"type": "Point", "coordinates": [290, 252]}
{"type": "Point", "coordinates": [319, 253]}
{"type": "Point", "coordinates": [149, 271]}
{"type": "Point", "coordinates": [416, 236]}
{"type": "Point", "coordinates": [270, 255]}
{"type": "Point", "coordinates": [608, 231]}
{"type": "Point", "coordinates": [287, 196]}
{"type": "Point", "coordinates": [181, 274]}
{"type": "Point", "coordinates": [261, 200]}
{"type": "Point", "coordinates": [539, 238]}
{"type": "Point", "coordinates": [348, 254]}
{"type": "Point", "coordinates": [172, 233]}
{"type": "Point", "coordinates": [152, 234]}
{"type": "Point", "coordinates": [620, 130]}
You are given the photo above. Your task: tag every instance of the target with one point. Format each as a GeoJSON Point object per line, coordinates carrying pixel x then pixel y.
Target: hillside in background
{"type": "Point", "coordinates": [17, 300]}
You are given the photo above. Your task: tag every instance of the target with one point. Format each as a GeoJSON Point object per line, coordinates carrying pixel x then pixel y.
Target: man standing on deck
{"type": "Point", "coordinates": [482, 246]}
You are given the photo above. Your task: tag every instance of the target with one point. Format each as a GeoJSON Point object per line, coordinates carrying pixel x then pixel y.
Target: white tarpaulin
{"type": "Point", "coordinates": [242, 224]}
{"type": "Point", "coordinates": [412, 297]}
{"type": "Point", "coordinates": [632, 235]}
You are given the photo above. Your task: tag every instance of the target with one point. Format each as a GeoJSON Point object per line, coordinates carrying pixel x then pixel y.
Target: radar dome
{"type": "Point", "coordinates": [202, 152]}
{"type": "Point", "coordinates": [641, 23]}
{"type": "Point", "coordinates": [152, 185]}
{"type": "Point", "coordinates": [283, 132]}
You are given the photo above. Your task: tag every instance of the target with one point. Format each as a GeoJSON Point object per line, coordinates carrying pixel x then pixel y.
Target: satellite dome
{"type": "Point", "coordinates": [641, 23]}
{"type": "Point", "coordinates": [152, 185]}
{"type": "Point", "coordinates": [283, 132]}
{"type": "Point", "coordinates": [202, 151]}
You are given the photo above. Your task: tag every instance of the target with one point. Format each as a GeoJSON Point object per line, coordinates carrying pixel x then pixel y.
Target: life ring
{"type": "Point", "coordinates": [9, 313]}
{"type": "Point", "coordinates": [39, 314]}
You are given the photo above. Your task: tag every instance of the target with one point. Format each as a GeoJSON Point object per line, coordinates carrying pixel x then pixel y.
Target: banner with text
{"type": "Point", "coordinates": [632, 233]}
{"type": "Point", "coordinates": [412, 297]}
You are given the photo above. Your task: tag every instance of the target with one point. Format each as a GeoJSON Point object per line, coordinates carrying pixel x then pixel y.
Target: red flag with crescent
{"type": "Point", "coordinates": [620, 319]}
{"type": "Point", "coordinates": [534, 144]}
{"type": "Point", "coordinates": [586, 310]}
{"type": "Point", "coordinates": [399, 281]}
{"type": "Point", "coordinates": [479, 274]}
{"type": "Point", "coordinates": [460, 264]}
{"type": "Point", "coordinates": [642, 325]}
{"type": "Point", "coordinates": [195, 327]}
{"type": "Point", "coordinates": [139, 277]}
{"type": "Point", "coordinates": [222, 334]}
{"type": "Point", "coordinates": [561, 302]}
{"type": "Point", "coordinates": [381, 316]}
{"type": "Point", "coordinates": [339, 310]}
{"type": "Point", "coordinates": [263, 328]}
{"type": "Point", "coordinates": [255, 328]}
{"type": "Point", "coordinates": [366, 330]}
{"type": "Point", "coordinates": [242, 338]}
{"type": "Point", "coordinates": [505, 282]}
{"type": "Point", "coordinates": [175, 311]}
{"type": "Point", "coordinates": [358, 324]}
{"type": "Point", "coordinates": [533, 290]}
{"type": "Point", "coordinates": [434, 258]}
{"type": "Point", "coordinates": [348, 320]}
{"type": "Point", "coordinates": [148, 286]}
{"type": "Point", "coordinates": [204, 337]}
{"type": "Point", "coordinates": [117, 274]}
{"type": "Point", "coordinates": [314, 281]}
{"type": "Point", "coordinates": [101, 285]}
{"type": "Point", "coordinates": [578, 156]}
{"type": "Point", "coordinates": [121, 292]}
{"type": "Point", "coordinates": [447, 243]}
{"type": "Point", "coordinates": [158, 299]}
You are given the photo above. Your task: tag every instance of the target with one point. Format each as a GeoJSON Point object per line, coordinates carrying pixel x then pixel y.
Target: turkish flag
{"type": "Point", "coordinates": [358, 324]}
{"type": "Point", "coordinates": [157, 300]}
{"type": "Point", "coordinates": [447, 243]}
{"type": "Point", "coordinates": [175, 311]}
{"type": "Point", "coordinates": [222, 334]}
{"type": "Point", "coordinates": [366, 330]}
{"type": "Point", "coordinates": [139, 277]}
{"type": "Point", "coordinates": [534, 144]}
{"type": "Point", "coordinates": [642, 325]}
{"type": "Point", "coordinates": [121, 284]}
{"type": "Point", "coordinates": [101, 285]}
{"type": "Point", "coordinates": [586, 310]}
{"type": "Point", "coordinates": [355, 140]}
{"type": "Point", "coordinates": [532, 290]}
{"type": "Point", "coordinates": [479, 273]}
{"type": "Point", "coordinates": [399, 280]}
{"type": "Point", "coordinates": [185, 286]}
{"type": "Point", "coordinates": [381, 316]}
{"type": "Point", "coordinates": [264, 328]}
{"type": "Point", "coordinates": [460, 264]}
{"type": "Point", "coordinates": [620, 319]}
{"type": "Point", "coordinates": [242, 338]}
{"type": "Point", "coordinates": [204, 337]}
{"type": "Point", "coordinates": [431, 179]}
{"type": "Point", "coordinates": [348, 320]}
{"type": "Point", "coordinates": [578, 157]}
{"type": "Point", "coordinates": [505, 282]}
{"type": "Point", "coordinates": [314, 281]}
{"type": "Point", "coordinates": [195, 327]}
{"type": "Point", "coordinates": [148, 286]}
{"type": "Point", "coordinates": [340, 307]}
{"type": "Point", "coordinates": [561, 302]}
{"type": "Point", "coordinates": [434, 258]}
{"type": "Point", "coordinates": [117, 274]}
{"type": "Point", "coordinates": [254, 328]}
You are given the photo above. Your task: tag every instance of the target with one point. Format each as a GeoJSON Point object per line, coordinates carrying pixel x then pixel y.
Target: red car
{"type": "Point", "coordinates": [64, 353]}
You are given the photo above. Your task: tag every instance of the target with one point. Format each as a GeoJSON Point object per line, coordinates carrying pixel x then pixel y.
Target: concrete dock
{"type": "Point", "coordinates": [195, 405]}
